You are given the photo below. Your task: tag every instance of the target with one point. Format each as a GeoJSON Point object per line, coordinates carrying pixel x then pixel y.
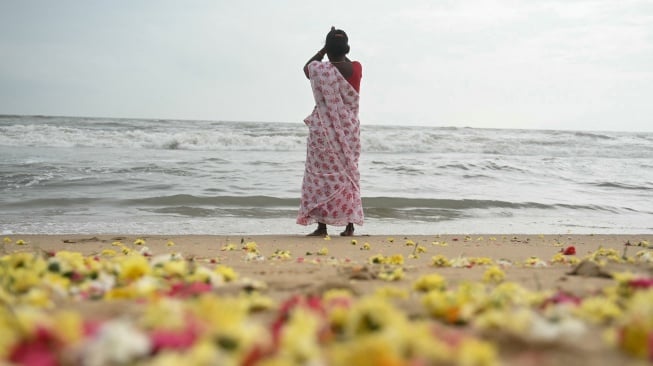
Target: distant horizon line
{"type": "Point", "coordinates": [3, 115]}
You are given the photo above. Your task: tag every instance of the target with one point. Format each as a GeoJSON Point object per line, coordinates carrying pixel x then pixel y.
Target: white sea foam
{"type": "Point", "coordinates": [225, 136]}
{"type": "Point", "coordinates": [63, 174]}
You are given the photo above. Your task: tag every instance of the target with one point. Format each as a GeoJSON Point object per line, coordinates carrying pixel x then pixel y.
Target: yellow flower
{"type": "Point", "coordinates": [298, 337]}
{"type": "Point", "coordinates": [393, 274]}
{"type": "Point", "coordinates": [281, 254]}
{"type": "Point", "coordinates": [7, 240]}
{"type": "Point", "coordinates": [396, 259]}
{"type": "Point", "coordinates": [481, 261]}
{"type": "Point", "coordinates": [637, 324]}
{"type": "Point", "coordinates": [644, 256]}
{"type": "Point", "coordinates": [598, 310]}
{"type": "Point", "coordinates": [251, 247]}
{"type": "Point", "coordinates": [23, 279]}
{"type": "Point", "coordinates": [20, 242]}
{"type": "Point", "coordinates": [517, 321]}
{"type": "Point", "coordinates": [371, 315]}
{"type": "Point", "coordinates": [458, 306]}
{"type": "Point", "coordinates": [204, 275]}
{"type": "Point", "coordinates": [391, 292]}
{"type": "Point", "coordinates": [70, 261]}
{"type": "Point", "coordinates": [573, 260]}
{"type": "Point", "coordinates": [430, 282]}
{"type": "Point", "coordinates": [535, 262]}
{"type": "Point", "coordinates": [564, 259]}
{"type": "Point", "coordinates": [478, 353]}
{"type": "Point", "coordinates": [108, 253]}
{"type": "Point", "coordinates": [68, 325]}
{"type": "Point", "coordinates": [323, 251]}
{"type": "Point", "coordinates": [163, 313]}
{"type": "Point", "coordinates": [37, 297]}
{"type": "Point", "coordinates": [376, 259]}
{"type": "Point", "coordinates": [493, 274]}
{"type": "Point", "coordinates": [440, 261]}
{"type": "Point", "coordinates": [366, 351]}
{"type": "Point", "coordinates": [170, 243]}
{"type": "Point", "coordinates": [178, 268]}
{"type": "Point", "coordinates": [56, 282]}
{"type": "Point", "coordinates": [227, 273]}
{"type": "Point", "coordinates": [327, 237]}
{"type": "Point", "coordinates": [134, 267]}
{"type": "Point", "coordinates": [120, 293]}
{"type": "Point", "coordinates": [512, 294]}
{"type": "Point", "coordinates": [139, 242]}
{"type": "Point", "coordinates": [228, 247]}
{"type": "Point", "coordinates": [354, 242]}
{"type": "Point", "coordinates": [443, 305]}
{"type": "Point", "coordinates": [23, 260]}
{"type": "Point", "coordinates": [420, 249]}
{"type": "Point", "coordinates": [410, 243]}
{"type": "Point", "coordinates": [257, 302]}
{"type": "Point", "coordinates": [609, 254]}
{"type": "Point", "coordinates": [366, 246]}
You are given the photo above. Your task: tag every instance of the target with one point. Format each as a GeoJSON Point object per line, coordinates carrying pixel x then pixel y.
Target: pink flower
{"type": "Point", "coordinates": [171, 339]}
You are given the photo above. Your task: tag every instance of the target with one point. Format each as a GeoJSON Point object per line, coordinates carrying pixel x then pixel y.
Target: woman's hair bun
{"type": "Point", "coordinates": [337, 42]}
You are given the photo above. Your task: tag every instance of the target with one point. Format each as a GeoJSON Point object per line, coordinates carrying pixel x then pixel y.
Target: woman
{"type": "Point", "coordinates": [331, 185]}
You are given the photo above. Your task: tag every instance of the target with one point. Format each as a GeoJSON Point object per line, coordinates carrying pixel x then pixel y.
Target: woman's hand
{"type": "Point", "coordinates": [317, 57]}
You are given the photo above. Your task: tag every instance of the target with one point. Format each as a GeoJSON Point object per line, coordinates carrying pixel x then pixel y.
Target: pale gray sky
{"type": "Point", "coordinates": [566, 64]}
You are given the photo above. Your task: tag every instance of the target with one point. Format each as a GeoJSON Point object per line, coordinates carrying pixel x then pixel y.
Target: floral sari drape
{"type": "Point", "coordinates": [331, 184]}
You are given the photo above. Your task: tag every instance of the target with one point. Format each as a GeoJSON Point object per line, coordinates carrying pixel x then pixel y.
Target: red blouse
{"type": "Point", "coordinates": [356, 75]}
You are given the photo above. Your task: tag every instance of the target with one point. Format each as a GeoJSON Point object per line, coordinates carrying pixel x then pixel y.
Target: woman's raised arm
{"type": "Point", "coordinates": [317, 57]}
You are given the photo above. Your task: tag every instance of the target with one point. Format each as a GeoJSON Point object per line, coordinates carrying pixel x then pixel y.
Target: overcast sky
{"type": "Point", "coordinates": [582, 65]}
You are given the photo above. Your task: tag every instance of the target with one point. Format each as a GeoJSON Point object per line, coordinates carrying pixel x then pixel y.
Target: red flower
{"type": "Point", "coordinates": [570, 250]}
{"type": "Point", "coordinates": [641, 283]}
{"type": "Point", "coordinates": [39, 350]}
{"type": "Point", "coordinates": [313, 303]}
{"type": "Point", "coordinates": [184, 290]}
{"type": "Point", "coordinates": [561, 298]}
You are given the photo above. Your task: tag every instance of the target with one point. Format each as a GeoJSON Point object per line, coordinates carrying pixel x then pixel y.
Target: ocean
{"type": "Point", "coordinates": [65, 175]}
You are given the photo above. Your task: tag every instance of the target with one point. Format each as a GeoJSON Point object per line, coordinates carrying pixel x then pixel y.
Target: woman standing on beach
{"type": "Point", "coordinates": [331, 185]}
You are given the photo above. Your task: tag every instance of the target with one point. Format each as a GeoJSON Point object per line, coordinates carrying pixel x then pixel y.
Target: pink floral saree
{"type": "Point", "coordinates": [331, 185]}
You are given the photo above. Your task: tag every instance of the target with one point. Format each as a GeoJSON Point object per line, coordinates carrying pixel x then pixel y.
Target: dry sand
{"type": "Point", "coordinates": [344, 267]}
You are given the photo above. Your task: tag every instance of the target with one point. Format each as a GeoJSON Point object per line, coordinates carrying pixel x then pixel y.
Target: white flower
{"type": "Point", "coordinates": [103, 283]}
{"type": "Point", "coordinates": [117, 342]}
{"type": "Point", "coordinates": [565, 329]}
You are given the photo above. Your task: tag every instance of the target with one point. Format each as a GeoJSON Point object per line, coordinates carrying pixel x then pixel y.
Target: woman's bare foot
{"type": "Point", "coordinates": [349, 230]}
{"type": "Point", "coordinates": [320, 231]}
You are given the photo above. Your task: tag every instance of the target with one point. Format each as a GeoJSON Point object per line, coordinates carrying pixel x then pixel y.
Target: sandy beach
{"type": "Point", "coordinates": [283, 267]}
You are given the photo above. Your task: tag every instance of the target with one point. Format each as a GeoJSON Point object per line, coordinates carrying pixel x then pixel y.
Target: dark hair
{"type": "Point", "coordinates": [337, 43]}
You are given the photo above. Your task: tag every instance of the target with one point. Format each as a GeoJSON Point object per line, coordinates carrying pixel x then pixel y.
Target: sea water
{"type": "Point", "coordinates": [143, 176]}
